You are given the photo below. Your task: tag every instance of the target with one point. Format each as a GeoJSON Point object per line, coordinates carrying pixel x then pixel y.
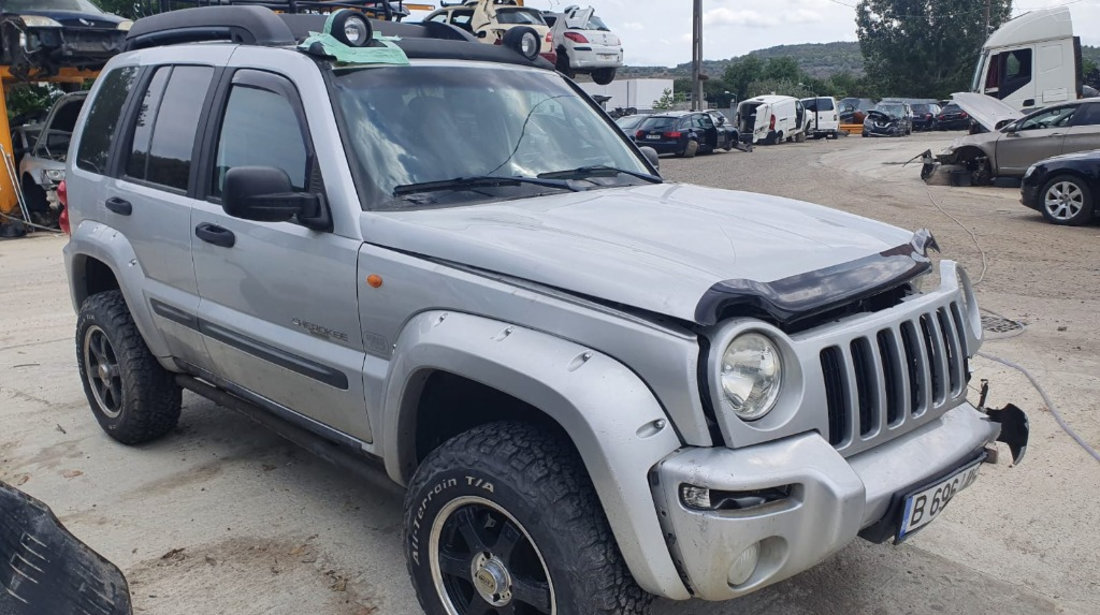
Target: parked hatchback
{"type": "Point", "coordinates": [1064, 188]}
{"type": "Point", "coordinates": [584, 44]}
{"type": "Point", "coordinates": [685, 133]}
{"type": "Point", "coordinates": [952, 117]}
{"type": "Point", "coordinates": [924, 116]}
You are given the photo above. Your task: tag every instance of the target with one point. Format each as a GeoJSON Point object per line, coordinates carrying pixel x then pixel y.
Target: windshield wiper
{"type": "Point", "coordinates": [598, 170]}
{"type": "Point", "coordinates": [482, 181]}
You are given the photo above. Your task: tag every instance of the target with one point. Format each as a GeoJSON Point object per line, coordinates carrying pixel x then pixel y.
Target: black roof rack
{"type": "Point", "coordinates": [252, 24]}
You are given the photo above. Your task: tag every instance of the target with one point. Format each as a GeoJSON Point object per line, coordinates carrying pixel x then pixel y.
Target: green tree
{"type": "Point", "coordinates": [27, 98]}
{"type": "Point", "coordinates": [741, 72]}
{"type": "Point", "coordinates": [666, 101]}
{"type": "Point", "coordinates": [924, 48]}
{"type": "Point", "coordinates": [784, 69]}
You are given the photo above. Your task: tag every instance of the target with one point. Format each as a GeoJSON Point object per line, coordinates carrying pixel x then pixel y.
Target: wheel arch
{"type": "Point", "coordinates": [98, 259]}
{"type": "Point", "coordinates": [610, 416]}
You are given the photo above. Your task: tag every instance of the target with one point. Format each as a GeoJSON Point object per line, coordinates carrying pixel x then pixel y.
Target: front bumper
{"type": "Point", "coordinates": [831, 498]}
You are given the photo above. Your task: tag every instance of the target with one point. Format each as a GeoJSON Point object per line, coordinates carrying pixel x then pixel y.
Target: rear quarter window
{"type": "Point", "coordinates": [825, 104]}
{"type": "Point", "coordinates": [102, 120]}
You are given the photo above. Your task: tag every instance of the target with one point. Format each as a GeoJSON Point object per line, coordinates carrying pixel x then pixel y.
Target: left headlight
{"type": "Point", "coordinates": [124, 25]}
{"type": "Point", "coordinates": [54, 175]}
{"type": "Point", "coordinates": [751, 375]}
{"type": "Point", "coordinates": [39, 21]}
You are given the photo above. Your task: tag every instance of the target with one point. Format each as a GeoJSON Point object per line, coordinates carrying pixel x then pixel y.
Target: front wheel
{"type": "Point", "coordinates": [1067, 200]}
{"type": "Point", "coordinates": [503, 519]}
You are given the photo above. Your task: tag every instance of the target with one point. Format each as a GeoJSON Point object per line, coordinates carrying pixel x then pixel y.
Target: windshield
{"type": "Point", "coordinates": [595, 23]}
{"type": "Point", "coordinates": [976, 81]}
{"type": "Point", "coordinates": [891, 110]}
{"type": "Point", "coordinates": [413, 125]}
{"type": "Point", "coordinates": [528, 17]}
{"type": "Point", "coordinates": [83, 6]}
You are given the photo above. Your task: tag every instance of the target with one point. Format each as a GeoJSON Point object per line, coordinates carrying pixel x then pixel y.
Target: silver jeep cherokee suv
{"type": "Point", "coordinates": [597, 386]}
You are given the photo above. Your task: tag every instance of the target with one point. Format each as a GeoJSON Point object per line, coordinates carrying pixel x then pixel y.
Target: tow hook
{"type": "Point", "coordinates": [1014, 426]}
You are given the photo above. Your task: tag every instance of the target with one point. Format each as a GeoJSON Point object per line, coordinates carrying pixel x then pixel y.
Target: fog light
{"type": "Point", "coordinates": [695, 497]}
{"type": "Point", "coordinates": [742, 568]}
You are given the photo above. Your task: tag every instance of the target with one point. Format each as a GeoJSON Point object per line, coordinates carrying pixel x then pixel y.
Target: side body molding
{"type": "Point", "coordinates": [93, 239]}
{"type": "Point", "coordinates": [612, 418]}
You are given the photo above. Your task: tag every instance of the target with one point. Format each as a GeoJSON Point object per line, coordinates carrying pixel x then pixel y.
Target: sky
{"type": "Point", "coordinates": [658, 32]}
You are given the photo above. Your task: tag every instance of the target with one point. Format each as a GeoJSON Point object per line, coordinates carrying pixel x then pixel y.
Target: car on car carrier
{"type": "Point", "coordinates": [597, 386]}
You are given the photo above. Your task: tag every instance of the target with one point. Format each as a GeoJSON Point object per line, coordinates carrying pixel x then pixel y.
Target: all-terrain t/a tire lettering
{"type": "Point", "coordinates": [503, 519]}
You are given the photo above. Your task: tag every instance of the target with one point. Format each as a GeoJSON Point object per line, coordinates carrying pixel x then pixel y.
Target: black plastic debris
{"type": "Point", "coordinates": [45, 570]}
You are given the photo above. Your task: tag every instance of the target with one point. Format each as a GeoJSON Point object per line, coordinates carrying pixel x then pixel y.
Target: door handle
{"type": "Point", "coordinates": [212, 233]}
{"type": "Point", "coordinates": [121, 207]}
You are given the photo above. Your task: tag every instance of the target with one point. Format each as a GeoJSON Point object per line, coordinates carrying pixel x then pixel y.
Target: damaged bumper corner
{"type": "Point", "coordinates": [789, 504]}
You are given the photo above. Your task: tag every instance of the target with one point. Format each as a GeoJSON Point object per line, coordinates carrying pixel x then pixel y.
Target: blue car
{"type": "Point", "coordinates": [685, 133]}
{"type": "Point", "coordinates": [40, 37]}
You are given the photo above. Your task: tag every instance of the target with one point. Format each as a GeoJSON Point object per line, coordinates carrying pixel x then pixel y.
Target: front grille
{"type": "Point", "coordinates": [877, 384]}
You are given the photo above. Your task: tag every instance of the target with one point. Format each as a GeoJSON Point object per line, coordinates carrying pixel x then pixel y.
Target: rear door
{"type": "Point", "coordinates": [279, 310]}
{"type": "Point", "coordinates": [1037, 136]}
{"type": "Point", "coordinates": [149, 200]}
{"type": "Point", "coordinates": [1084, 133]}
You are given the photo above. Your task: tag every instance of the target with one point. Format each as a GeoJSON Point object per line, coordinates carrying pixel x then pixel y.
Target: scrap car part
{"type": "Point", "coordinates": [47, 569]}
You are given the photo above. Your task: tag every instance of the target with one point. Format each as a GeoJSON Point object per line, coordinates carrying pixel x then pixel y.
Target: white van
{"type": "Point", "coordinates": [1032, 61]}
{"type": "Point", "coordinates": [823, 119]}
{"type": "Point", "coordinates": [772, 119]}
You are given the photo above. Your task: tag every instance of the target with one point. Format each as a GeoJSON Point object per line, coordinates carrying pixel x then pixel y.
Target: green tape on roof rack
{"type": "Point", "coordinates": [382, 50]}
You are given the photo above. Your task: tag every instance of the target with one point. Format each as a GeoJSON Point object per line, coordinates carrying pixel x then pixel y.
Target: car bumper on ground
{"type": "Point", "coordinates": [812, 500]}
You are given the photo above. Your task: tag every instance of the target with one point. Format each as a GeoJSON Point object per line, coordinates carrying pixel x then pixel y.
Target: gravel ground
{"type": "Point", "coordinates": [224, 517]}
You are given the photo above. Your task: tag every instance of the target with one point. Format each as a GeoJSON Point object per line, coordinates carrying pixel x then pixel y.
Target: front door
{"type": "Point", "coordinates": [279, 308]}
{"type": "Point", "coordinates": [1035, 137]}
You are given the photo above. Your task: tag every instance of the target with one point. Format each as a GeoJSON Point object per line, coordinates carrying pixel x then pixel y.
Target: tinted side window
{"type": "Point", "coordinates": [1088, 115]}
{"type": "Point", "coordinates": [142, 135]}
{"type": "Point", "coordinates": [103, 118]}
{"type": "Point", "coordinates": [824, 104]}
{"type": "Point", "coordinates": [248, 139]}
{"type": "Point", "coordinates": [176, 125]}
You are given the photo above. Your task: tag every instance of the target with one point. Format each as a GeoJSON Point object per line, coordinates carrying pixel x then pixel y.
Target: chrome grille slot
{"type": "Point", "coordinates": [904, 374]}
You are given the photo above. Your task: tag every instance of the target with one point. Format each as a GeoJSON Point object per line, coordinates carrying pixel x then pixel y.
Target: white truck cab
{"type": "Point", "coordinates": [1031, 61]}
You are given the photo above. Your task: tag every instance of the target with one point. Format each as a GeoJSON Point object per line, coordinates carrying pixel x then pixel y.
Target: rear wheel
{"type": "Point", "coordinates": [603, 76]}
{"type": "Point", "coordinates": [503, 519]}
{"type": "Point", "coordinates": [134, 399]}
{"type": "Point", "coordinates": [690, 149]}
{"type": "Point", "coordinates": [981, 172]}
{"type": "Point", "coordinates": [1067, 201]}
{"type": "Point", "coordinates": [563, 64]}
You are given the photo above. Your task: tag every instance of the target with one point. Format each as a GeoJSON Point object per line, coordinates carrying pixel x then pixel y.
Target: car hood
{"type": "Point", "coordinates": [660, 248]}
{"type": "Point", "coordinates": [986, 110]}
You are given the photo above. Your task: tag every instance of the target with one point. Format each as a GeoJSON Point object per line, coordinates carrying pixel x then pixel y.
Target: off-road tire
{"type": "Point", "coordinates": [536, 477]}
{"type": "Point", "coordinates": [603, 76]}
{"type": "Point", "coordinates": [149, 398]}
{"type": "Point", "coordinates": [1082, 198]}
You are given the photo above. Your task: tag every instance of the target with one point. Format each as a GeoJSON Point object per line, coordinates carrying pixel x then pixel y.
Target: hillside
{"type": "Point", "coordinates": [818, 59]}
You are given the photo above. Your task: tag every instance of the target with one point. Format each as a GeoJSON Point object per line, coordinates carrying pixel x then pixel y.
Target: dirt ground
{"type": "Point", "coordinates": [224, 517]}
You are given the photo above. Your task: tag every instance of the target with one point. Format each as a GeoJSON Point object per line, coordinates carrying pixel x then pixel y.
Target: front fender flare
{"type": "Point", "coordinates": [616, 424]}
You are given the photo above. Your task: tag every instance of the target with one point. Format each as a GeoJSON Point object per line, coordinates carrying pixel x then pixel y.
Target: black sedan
{"type": "Point", "coordinates": [39, 37]}
{"type": "Point", "coordinates": [889, 120]}
{"type": "Point", "coordinates": [952, 117]}
{"type": "Point", "coordinates": [685, 133]}
{"type": "Point", "coordinates": [1064, 188]}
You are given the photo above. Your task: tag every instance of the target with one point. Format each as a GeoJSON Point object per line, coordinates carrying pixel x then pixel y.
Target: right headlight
{"type": "Point", "coordinates": [751, 375]}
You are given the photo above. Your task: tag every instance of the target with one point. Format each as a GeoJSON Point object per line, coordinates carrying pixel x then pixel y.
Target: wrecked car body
{"type": "Point", "coordinates": [1005, 142]}
{"type": "Point", "coordinates": [888, 120]}
{"type": "Point", "coordinates": [39, 37]}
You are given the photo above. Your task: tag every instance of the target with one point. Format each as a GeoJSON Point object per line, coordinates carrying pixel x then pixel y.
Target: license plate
{"type": "Point", "coordinates": [653, 137]}
{"type": "Point", "coordinates": [925, 505]}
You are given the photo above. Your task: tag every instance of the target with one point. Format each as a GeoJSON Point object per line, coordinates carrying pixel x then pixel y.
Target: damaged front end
{"type": "Point", "coordinates": [38, 46]}
{"type": "Point", "coordinates": [955, 168]}
{"type": "Point", "coordinates": [48, 570]}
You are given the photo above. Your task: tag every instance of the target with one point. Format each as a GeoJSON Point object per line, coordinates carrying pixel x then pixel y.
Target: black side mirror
{"type": "Point", "coordinates": [651, 155]}
{"type": "Point", "coordinates": [265, 194]}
